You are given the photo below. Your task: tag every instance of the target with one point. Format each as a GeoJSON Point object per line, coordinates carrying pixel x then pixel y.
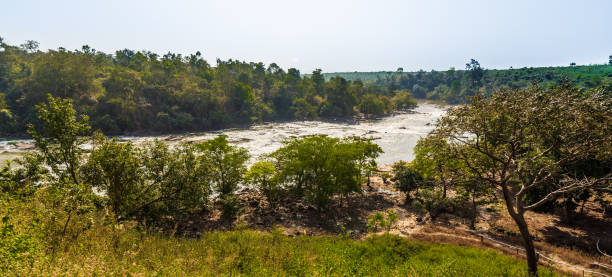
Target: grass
{"type": "Point", "coordinates": [253, 253]}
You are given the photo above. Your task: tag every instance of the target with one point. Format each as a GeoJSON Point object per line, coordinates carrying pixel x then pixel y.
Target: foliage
{"type": "Point", "coordinates": [227, 164]}
{"type": "Point", "coordinates": [20, 178]}
{"type": "Point", "coordinates": [456, 86]}
{"type": "Point", "coordinates": [371, 104]}
{"type": "Point", "coordinates": [380, 220]}
{"type": "Point", "coordinates": [263, 175]}
{"type": "Point", "coordinates": [227, 169]}
{"type": "Point", "coordinates": [433, 201]}
{"type": "Point", "coordinates": [319, 167]}
{"type": "Point", "coordinates": [406, 179]}
{"type": "Point", "coordinates": [521, 141]}
{"type": "Point", "coordinates": [67, 200]}
{"type": "Point", "coordinates": [18, 245]}
{"type": "Point", "coordinates": [140, 91]}
{"type": "Point", "coordinates": [403, 100]}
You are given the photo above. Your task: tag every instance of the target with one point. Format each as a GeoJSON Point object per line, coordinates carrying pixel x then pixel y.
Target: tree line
{"type": "Point", "coordinates": [140, 91]}
{"type": "Point", "coordinates": [458, 85]}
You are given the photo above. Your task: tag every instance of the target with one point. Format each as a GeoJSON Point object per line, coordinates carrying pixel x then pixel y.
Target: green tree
{"type": "Point", "coordinates": [371, 104]}
{"type": "Point", "coordinates": [406, 179]}
{"type": "Point", "coordinates": [227, 170]}
{"type": "Point", "coordinates": [116, 169]}
{"type": "Point", "coordinates": [402, 100]}
{"type": "Point", "coordinates": [263, 175]}
{"type": "Point", "coordinates": [58, 140]}
{"type": "Point", "coordinates": [319, 167]}
{"type": "Point", "coordinates": [517, 141]}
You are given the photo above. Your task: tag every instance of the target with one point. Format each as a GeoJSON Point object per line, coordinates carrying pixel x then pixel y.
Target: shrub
{"type": "Point", "coordinates": [434, 202]}
{"type": "Point", "coordinates": [263, 175]}
{"type": "Point", "coordinates": [380, 220]}
{"type": "Point", "coordinates": [406, 178]}
{"type": "Point", "coordinates": [319, 167]}
{"type": "Point", "coordinates": [227, 164]}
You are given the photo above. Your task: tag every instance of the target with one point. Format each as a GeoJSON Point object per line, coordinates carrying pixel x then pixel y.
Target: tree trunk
{"type": "Point", "coordinates": [444, 190]}
{"type": "Point", "coordinates": [519, 219]}
{"type": "Point", "coordinates": [474, 213]}
{"type": "Point", "coordinates": [532, 258]}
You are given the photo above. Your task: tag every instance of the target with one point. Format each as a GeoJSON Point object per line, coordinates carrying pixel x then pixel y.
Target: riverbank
{"type": "Point", "coordinates": [397, 135]}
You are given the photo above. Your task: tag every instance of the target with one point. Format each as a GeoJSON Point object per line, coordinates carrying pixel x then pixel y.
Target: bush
{"type": "Point", "coordinates": [263, 175]}
{"type": "Point", "coordinates": [380, 220]}
{"type": "Point", "coordinates": [434, 202]}
{"type": "Point", "coordinates": [230, 206]}
{"type": "Point", "coordinates": [18, 248]}
{"type": "Point", "coordinates": [319, 167]}
{"type": "Point", "coordinates": [407, 179]}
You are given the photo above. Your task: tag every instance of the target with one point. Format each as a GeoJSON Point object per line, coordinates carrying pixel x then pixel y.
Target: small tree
{"type": "Point", "coordinates": [319, 167]}
{"type": "Point", "coordinates": [263, 175]}
{"type": "Point", "coordinates": [227, 169]}
{"type": "Point", "coordinates": [382, 220]}
{"type": "Point", "coordinates": [116, 169]}
{"type": "Point", "coordinates": [402, 100]}
{"type": "Point", "coordinates": [406, 178]}
{"type": "Point", "coordinates": [58, 140]}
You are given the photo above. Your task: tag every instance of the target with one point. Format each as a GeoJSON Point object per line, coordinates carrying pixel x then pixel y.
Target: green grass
{"type": "Point", "coordinates": [252, 253]}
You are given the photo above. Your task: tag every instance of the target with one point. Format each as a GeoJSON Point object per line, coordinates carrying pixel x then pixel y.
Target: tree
{"type": "Point", "coordinates": [319, 167]}
{"type": "Point", "coordinates": [319, 80]}
{"type": "Point", "coordinates": [116, 169]}
{"type": "Point", "coordinates": [517, 141]}
{"type": "Point", "coordinates": [403, 100]}
{"type": "Point", "coordinates": [60, 137]}
{"type": "Point", "coordinates": [227, 169]}
{"type": "Point", "coordinates": [263, 175]}
{"type": "Point", "coordinates": [475, 72]}
{"type": "Point", "coordinates": [30, 46]}
{"type": "Point", "coordinates": [371, 105]}
{"type": "Point", "coordinates": [406, 179]}
{"type": "Point", "coordinates": [227, 163]}
{"type": "Point", "coordinates": [58, 141]}
{"type": "Point", "coordinates": [339, 99]}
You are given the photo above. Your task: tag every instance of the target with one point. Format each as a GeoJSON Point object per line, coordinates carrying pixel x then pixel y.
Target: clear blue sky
{"type": "Point", "coordinates": [331, 35]}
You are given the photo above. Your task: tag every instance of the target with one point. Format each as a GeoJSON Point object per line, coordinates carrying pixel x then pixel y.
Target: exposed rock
{"type": "Point", "coordinates": [24, 146]}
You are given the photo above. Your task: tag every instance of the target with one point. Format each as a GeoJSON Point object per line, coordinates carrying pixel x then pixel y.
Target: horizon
{"type": "Point", "coordinates": [345, 37]}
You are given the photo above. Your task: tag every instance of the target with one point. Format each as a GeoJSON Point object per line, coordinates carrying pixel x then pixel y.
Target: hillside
{"type": "Point", "coordinates": [453, 85]}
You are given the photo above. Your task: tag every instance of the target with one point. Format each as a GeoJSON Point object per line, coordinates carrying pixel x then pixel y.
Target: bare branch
{"type": "Point", "coordinates": [574, 185]}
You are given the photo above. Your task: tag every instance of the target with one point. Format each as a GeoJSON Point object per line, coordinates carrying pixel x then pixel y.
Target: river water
{"type": "Point", "coordinates": [397, 135]}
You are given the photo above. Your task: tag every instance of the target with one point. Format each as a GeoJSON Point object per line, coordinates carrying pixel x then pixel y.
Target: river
{"type": "Point", "coordinates": [397, 135]}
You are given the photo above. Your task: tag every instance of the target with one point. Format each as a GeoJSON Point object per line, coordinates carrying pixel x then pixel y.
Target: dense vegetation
{"type": "Point", "coordinates": [536, 149]}
{"type": "Point", "coordinates": [105, 250]}
{"type": "Point", "coordinates": [140, 91]}
{"type": "Point", "coordinates": [455, 86]}
{"type": "Point", "coordinates": [58, 201]}
{"type": "Point", "coordinates": [54, 222]}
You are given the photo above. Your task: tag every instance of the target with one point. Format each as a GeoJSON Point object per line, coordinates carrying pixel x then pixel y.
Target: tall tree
{"type": "Point", "coordinates": [517, 141]}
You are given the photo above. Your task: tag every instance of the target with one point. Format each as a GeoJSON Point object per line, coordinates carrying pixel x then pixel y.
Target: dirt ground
{"type": "Point", "coordinates": [572, 242]}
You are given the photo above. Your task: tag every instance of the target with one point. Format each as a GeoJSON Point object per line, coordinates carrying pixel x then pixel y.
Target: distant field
{"type": "Point", "coordinates": [580, 73]}
{"type": "Point", "coordinates": [252, 253]}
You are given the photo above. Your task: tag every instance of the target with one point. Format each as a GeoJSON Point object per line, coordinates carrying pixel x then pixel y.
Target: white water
{"type": "Point", "coordinates": [396, 135]}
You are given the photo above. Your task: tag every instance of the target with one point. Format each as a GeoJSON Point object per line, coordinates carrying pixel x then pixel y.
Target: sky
{"type": "Point", "coordinates": [334, 35]}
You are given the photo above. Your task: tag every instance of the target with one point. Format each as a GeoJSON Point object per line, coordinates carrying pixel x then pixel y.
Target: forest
{"type": "Point", "coordinates": [143, 92]}
{"type": "Point", "coordinates": [455, 86]}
